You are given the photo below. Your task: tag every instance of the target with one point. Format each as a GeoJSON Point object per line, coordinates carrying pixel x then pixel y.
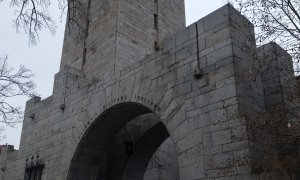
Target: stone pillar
{"type": "Point", "coordinates": [279, 83]}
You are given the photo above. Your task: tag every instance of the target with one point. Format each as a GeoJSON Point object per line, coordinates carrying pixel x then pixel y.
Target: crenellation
{"type": "Point", "coordinates": [277, 75]}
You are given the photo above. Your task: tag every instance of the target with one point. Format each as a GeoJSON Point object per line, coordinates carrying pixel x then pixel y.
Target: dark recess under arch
{"type": "Point", "coordinates": [100, 156]}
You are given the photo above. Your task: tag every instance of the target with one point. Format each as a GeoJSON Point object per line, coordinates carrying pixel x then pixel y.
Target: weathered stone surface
{"type": "Point", "coordinates": [125, 111]}
{"type": "Point", "coordinates": [298, 85]}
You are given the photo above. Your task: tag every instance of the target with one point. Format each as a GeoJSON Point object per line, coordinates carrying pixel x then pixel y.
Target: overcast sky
{"type": "Point", "coordinates": [44, 59]}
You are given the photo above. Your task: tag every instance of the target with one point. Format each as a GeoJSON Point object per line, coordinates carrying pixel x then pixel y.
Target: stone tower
{"type": "Point", "coordinates": [118, 33]}
{"type": "Point", "coordinates": [140, 97]}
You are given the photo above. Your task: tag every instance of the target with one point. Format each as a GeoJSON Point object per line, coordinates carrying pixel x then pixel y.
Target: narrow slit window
{"type": "Point", "coordinates": [155, 21]}
{"type": "Point", "coordinates": [84, 56]}
{"type": "Point", "coordinates": [156, 45]}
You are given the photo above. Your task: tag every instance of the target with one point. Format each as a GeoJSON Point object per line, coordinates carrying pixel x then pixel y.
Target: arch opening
{"type": "Point", "coordinates": [128, 141]}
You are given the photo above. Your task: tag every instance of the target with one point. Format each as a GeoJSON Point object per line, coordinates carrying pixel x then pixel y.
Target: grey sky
{"type": "Point", "coordinates": [44, 58]}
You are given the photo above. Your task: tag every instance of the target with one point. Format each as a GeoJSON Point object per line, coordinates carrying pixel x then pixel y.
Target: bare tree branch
{"type": "Point", "coordinates": [13, 83]}
{"type": "Point", "coordinates": [276, 20]}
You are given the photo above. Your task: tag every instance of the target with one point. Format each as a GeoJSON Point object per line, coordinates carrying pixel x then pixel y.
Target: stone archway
{"type": "Point", "coordinates": [120, 144]}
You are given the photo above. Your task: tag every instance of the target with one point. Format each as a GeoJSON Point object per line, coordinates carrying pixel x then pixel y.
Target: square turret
{"type": "Point", "coordinates": [119, 33]}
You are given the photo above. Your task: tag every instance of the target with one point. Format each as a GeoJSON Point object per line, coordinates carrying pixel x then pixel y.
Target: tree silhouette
{"type": "Point", "coordinates": [275, 20]}
{"type": "Point", "coordinates": [13, 83]}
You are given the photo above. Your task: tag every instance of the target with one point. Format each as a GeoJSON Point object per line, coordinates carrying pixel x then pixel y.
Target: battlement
{"type": "Point", "coordinates": [6, 149]}
{"type": "Point", "coordinates": [278, 77]}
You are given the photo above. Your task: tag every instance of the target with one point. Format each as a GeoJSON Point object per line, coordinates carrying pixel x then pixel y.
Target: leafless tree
{"type": "Point", "coordinates": [275, 20]}
{"type": "Point", "coordinates": [13, 83]}
{"type": "Point", "coordinates": [33, 16]}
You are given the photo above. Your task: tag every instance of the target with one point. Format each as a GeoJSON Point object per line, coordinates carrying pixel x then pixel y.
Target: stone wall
{"type": "Point", "coordinates": [278, 77]}
{"type": "Point", "coordinates": [120, 33]}
{"type": "Point", "coordinates": [163, 164]}
{"type": "Point", "coordinates": [298, 85]}
{"type": "Point", "coordinates": [201, 89]}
